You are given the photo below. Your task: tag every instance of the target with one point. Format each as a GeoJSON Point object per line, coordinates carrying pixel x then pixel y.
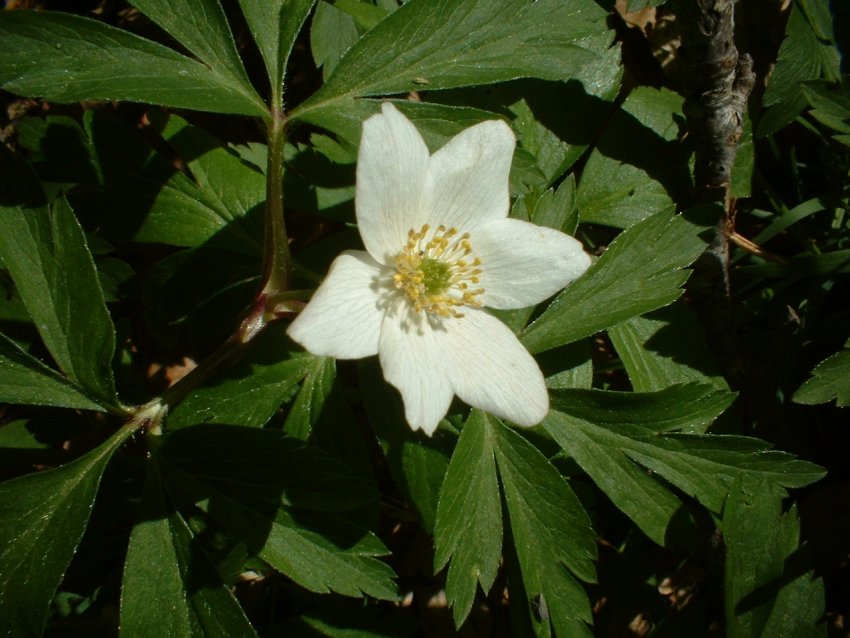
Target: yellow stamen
{"type": "Point", "coordinates": [434, 271]}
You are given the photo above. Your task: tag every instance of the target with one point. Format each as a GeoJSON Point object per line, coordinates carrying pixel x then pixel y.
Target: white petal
{"type": "Point", "coordinates": [470, 177]}
{"type": "Point", "coordinates": [343, 319]}
{"type": "Point", "coordinates": [392, 169]}
{"type": "Point", "coordinates": [490, 369]}
{"type": "Point", "coordinates": [412, 363]}
{"type": "Point", "coordinates": [523, 264]}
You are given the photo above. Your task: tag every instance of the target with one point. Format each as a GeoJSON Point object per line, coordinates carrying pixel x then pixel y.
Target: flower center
{"type": "Point", "coordinates": [436, 273]}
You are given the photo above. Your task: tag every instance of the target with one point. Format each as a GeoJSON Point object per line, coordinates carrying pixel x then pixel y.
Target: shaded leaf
{"type": "Point", "coordinates": [831, 107]}
{"type": "Point", "coordinates": [66, 58]}
{"type": "Point", "coordinates": [287, 507]}
{"type": "Point", "coordinates": [807, 53]}
{"type": "Point", "coordinates": [166, 563]}
{"type": "Point", "coordinates": [365, 15]}
{"type": "Point", "coordinates": [249, 392]}
{"type": "Point", "coordinates": [42, 519]}
{"type": "Point", "coordinates": [145, 198]}
{"type": "Point", "coordinates": [418, 463]}
{"type": "Point", "coordinates": [25, 379]}
{"type": "Point", "coordinates": [44, 249]}
{"type": "Point", "coordinates": [770, 586]}
{"type": "Point", "coordinates": [332, 33]}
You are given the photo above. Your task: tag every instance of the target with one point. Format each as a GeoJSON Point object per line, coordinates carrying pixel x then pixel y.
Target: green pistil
{"type": "Point", "coordinates": [436, 276]}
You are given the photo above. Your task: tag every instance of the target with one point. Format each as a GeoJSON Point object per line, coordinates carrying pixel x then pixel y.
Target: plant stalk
{"type": "Point", "coordinates": [277, 260]}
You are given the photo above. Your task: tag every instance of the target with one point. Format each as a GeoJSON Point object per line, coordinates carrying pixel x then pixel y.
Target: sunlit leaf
{"type": "Point", "coordinates": [830, 380]}
{"type": "Point", "coordinates": [275, 25]}
{"type": "Point", "coordinates": [468, 529]}
{"type": "Point", "coordinates": [641, 270]}
{"type": "Point", "coordinates": [450, 44]}
{"type": "Point", "coordinates": [553, 537]}
{"type": "Point", "coordinates": [67, 58]}
{"type": "Point", "coordinates": [200, 26]}
{"type": "Point", "coordinates": [702, 466]}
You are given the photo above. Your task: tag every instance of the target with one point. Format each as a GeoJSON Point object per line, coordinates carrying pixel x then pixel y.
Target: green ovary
{"type": "Point", "coordinates": [436, 276]}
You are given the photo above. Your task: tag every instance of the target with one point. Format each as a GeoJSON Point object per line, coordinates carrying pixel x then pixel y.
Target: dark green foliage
{"type": "Point", "coordinates": [175, 465]}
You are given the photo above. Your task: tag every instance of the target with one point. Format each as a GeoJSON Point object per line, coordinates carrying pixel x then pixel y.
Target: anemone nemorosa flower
{"type": "Point", "coordinates": [439, 249]}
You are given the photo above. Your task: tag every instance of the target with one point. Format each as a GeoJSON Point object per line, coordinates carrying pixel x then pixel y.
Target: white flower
{"type": "Point", "coordinates": [440, 247]}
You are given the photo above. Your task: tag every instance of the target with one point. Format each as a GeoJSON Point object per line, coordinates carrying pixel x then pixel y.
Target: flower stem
{"type": "Point", "coordinates": [277, 261]}
{"type": "Point", "coordinates": [257, 319]}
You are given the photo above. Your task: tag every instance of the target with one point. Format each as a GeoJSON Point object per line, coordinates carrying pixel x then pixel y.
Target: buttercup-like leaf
{"type": "Point", "coordinates": [641, 270]}
{"type": "Point", "coordinates": [450, 44]}
{"type": "Point", "coordinates": [42, 519]}
{"type": "Point", "coordinates": [200, 26]}
{"type": "Point", "coordinates": [25, 379]}
{"type": "Point", "coordinates": [702, 466]}
{"type": "Point", "coordinates": [45, 251]}
{"type": "Point", "coordinates": [165, 562]}
{"type": "Point", "coordinates": [552, 534]}
{"type": "Point", "coordinates": [830, 380]}
{"type": "Point", "coordinates": [288, 509]}
{"type": "Point", "coordinates": [468, 529]}
{"type": "Point", "coordinates": [767, 594]}
{"type": "Point", "coordinates": [66, 58]}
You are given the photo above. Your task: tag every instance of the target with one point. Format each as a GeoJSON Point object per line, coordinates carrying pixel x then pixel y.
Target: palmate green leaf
{"type": "Point", "coordinates": [250, 391]}
{"type": "Point", "coordinates": [831, 107]}
{"type": "Point", "coordinates": [552, 534]}
{"type": "Point", "coordinates": [66, 58]}
{"type": "Point", "coordinates": [437, 123]}
{"type": "Point", "coordinates": [25, 379]}
{"type": "Point", "coordinates": [468, 527]}
{"type": "Point", "coordinates": [664, 348]}
{"type": "Point", "coordinates": [702, 466]}
{"type": "Point", "coordinates": [288, 507]}
{"type": "Point", "coordinates": [42, 519]}
{"type": "Point", "coordinates": [145, 198]}
{"type": "Point", "coordinates": [638, 166]}
{"type": "Point", "coordinates": [319, 378]}
{"type": "Point", "coordinates": [450, 44]}
{"type": "Point", "coordinates": [641, 270]}
{"type": "Point", "coordinates": [332, 33]}
{"type": "Point", "coordinates": [367, 16]}
{"type": "Point", "coordinates": [170, 588]}
{"type": "Point", "coordinates": [830, 380]}
{"type": "Point", "coordinates": [770, 588]}
{"type": "Point", "coordinates": [553, 537]}
{"type": "Point", "coordinates": [44, 249]}
{"type": "Point", "coordinates": [597, 424]}
{"type": "Point", "coordinates": [201, 27]}
{"type": "Point", "coordinates": [322, 415]}
{"type": "Point", "coordinates": [275, 25]}
{"type": "Point", "coordinates": [807, 53]}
